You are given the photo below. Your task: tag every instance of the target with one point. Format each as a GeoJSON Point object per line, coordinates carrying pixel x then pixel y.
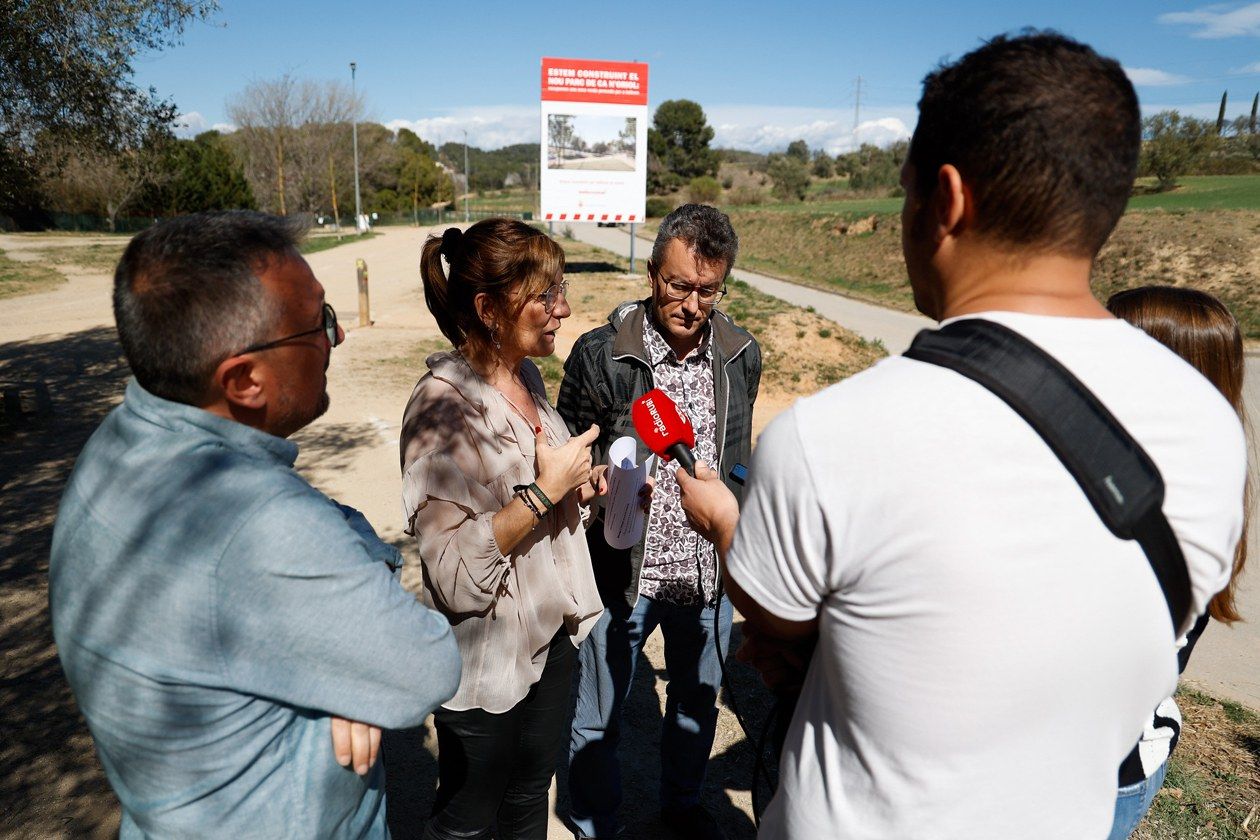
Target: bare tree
{"type": "Point", "coordinates": [84, 178]}
{"type": "Point", "coordinates": [294, 139]}
{"type": "Point", "coordinates": [265, 114]}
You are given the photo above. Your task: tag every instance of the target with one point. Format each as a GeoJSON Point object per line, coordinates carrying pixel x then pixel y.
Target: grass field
{"type": "Point", "coordinates": [1194, 192]}
{"type": "Point", "coordinates": [322, 242]}
{"type": "Point", "coordinates": [1217, 251]}
{"type": "Point", "coordinates": [1202, 192]}
{"type": "Point", "coordinates": [20, 278]}
{"type": "Point", "coordinates": [507, 201]}
{"type": "Point", "coordinates": [858, 206]}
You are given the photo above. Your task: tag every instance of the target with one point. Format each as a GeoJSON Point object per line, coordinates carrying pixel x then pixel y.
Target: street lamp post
{"type": "Point", "coordinates": [354, 133]}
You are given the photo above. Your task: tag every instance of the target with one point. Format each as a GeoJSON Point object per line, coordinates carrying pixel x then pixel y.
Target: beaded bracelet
{"type": "Point", "coordinates": [521, 491]}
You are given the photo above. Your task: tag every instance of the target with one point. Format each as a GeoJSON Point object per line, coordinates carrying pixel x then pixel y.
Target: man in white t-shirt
{"type": "Point", "coordinates": [987, 651]}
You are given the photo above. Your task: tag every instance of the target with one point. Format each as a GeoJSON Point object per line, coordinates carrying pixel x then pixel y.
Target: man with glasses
{"type": "Point", "coordinates": [675, 340]}
{"type": "Point", "coordinates": [219, 619]}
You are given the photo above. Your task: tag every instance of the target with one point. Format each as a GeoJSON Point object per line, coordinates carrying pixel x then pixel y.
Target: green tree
{"type": "Point", "coordinates": [823, 167]}
{"type": "Point", "coordinates": [202, 175]}
{"type": "Point", "coordinates": [704, 190]}
{"type": "Point", "coordinates": [491, 168]}
{"type": "Point", "coordinates": [420, 178]}
{"type": "Point", "coordinates": [790, 177]}
{"type": "Point", "coordinates": [679, 141]}
{"type": "Point", "coordinates": [799, 150]}
{"type": "Point", "coordinates": [65, 76]}
{"type": "Point", "coordinates": [873, 168]}
{"type": "Point", "coordinates": [1174, 145]}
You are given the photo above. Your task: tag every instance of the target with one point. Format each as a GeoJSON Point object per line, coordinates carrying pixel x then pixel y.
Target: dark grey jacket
{"type": "Point", "coordinates": [608, 370]}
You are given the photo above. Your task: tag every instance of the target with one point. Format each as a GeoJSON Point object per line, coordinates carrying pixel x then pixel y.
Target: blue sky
{"type": "Point", "coordinates": [764, 74]}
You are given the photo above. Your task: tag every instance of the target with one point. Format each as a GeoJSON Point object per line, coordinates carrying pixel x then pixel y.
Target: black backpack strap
{"type": "Point", "coordinates": [1118, 477]}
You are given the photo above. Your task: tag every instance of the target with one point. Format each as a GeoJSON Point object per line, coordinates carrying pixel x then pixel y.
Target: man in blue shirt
{"type": "Point", "coordinates": [217, 617]}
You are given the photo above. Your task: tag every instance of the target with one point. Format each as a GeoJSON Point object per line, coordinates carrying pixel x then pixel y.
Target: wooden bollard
{"type": "Point", "coordinates": [365, 318]}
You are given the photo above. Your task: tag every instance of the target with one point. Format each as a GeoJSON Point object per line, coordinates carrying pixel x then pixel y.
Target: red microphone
{"type": "Point", "coordinates": [664, 429]}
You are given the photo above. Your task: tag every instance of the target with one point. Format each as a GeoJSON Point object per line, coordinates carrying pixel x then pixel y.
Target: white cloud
{"type": "Point", "coordinates": [189, 125]}
{"type": "Point", "coordinates": [1150, 77]}
{"type": "Point", "coordinates": [770, 129]}
{"type": "Point", "coordinates": [489, 127]}
{"type": "Point", "coordinates": [1218, 21]}
{"type": "Point", "coordinates": [756, 128]}
{"type": "Point", "coordinates": [1249, 70]}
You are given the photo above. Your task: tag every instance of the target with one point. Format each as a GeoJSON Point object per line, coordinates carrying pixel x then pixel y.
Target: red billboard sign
{"type": "Point", "coordinates": [581, 80]}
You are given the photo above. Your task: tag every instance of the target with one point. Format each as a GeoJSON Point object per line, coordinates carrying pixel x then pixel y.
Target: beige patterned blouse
{"type": "Point", "coordinates": [463, 450]}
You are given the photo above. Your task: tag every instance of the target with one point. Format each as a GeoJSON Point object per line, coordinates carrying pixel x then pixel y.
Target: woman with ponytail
{"type": "Point", "coordinates": [496, 493]}
{"type": "Point", "coordinates": [1202, 330]}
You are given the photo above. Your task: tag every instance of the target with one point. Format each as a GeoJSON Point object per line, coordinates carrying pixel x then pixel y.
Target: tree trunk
{"type": "Point", "coordinates": [415, 200]}
{"type": "Point", "coordinates": [332, 182]}
{"type": "Point", "coordinates": [280, 175]}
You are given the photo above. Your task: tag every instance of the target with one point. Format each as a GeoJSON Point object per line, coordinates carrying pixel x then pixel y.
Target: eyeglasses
{"type": "Point", "coordinates": [552, 296]}
{"type": "Point", "coordinates": [681, 291]}
{"type": "Point", "coordinates": [328, 328]}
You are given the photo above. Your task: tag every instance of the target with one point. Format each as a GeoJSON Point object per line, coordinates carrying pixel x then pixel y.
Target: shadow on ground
{"type": "Point", "coordinates": [50, 782]}
{"type": "Point", "coordinates": [591, 267]}
{"type": "Point", "coordinates": [730, 768]}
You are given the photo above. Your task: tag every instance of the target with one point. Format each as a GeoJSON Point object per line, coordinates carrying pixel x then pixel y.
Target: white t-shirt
{"type": "Point", "coordinates": [988, 651]}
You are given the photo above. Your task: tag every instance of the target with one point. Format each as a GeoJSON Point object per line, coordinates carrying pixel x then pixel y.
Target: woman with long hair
{"type": "Point", "coordinates": [1202, 330]}
{"type": "Point", "coordinates": [495, 491]}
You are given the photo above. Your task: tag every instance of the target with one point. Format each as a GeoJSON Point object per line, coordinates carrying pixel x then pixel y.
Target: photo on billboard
{"type": "Point", "coordinates": [591, 142]}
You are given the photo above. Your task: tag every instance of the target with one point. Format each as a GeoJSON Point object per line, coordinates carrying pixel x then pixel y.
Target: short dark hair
{"type": "Point", "coordinates": [1045, 132]}
{"type": "Point", "coordinates": [703, 229]}
{"type": "Point", "coordinates": [187, 295]}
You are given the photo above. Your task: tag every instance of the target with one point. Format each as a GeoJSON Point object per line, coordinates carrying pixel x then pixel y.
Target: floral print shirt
{"type": "Point", "coordinates": [679, 566]}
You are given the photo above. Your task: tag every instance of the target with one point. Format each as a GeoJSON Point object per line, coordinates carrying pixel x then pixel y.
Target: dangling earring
{"type": "Point", "coordinates": [494, 337]}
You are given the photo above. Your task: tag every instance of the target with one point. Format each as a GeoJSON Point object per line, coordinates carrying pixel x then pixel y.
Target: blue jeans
{"type": "Point", "coordinates": [606, 663]}
{"type": "Point", "coordinates": [1132, 803]}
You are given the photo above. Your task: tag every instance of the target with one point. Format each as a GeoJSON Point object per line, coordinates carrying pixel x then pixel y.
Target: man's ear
{"type": "Point", "coordinates": [952, 203]}
{"type": "Point", "coordinates": [237, 379]}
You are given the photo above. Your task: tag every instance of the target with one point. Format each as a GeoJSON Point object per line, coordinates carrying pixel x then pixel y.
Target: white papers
{"type": "Point", "coordinates": [624, 519]}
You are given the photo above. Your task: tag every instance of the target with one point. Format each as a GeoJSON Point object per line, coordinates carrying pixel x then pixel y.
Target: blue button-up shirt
{"type": "Point", "coordinates": [211, 610]}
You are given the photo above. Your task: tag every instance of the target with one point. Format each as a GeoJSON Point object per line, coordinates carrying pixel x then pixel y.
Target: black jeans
{"type": "Point", "coordinates": [499, 766]}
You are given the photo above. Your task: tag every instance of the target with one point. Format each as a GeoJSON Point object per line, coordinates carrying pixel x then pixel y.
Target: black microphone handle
{"type": "Point", "coordinates": [681, 453]}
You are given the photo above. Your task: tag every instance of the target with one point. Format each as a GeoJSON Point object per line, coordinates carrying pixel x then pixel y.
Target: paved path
{"type": "Point", "coordinates": [1226, 661]}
